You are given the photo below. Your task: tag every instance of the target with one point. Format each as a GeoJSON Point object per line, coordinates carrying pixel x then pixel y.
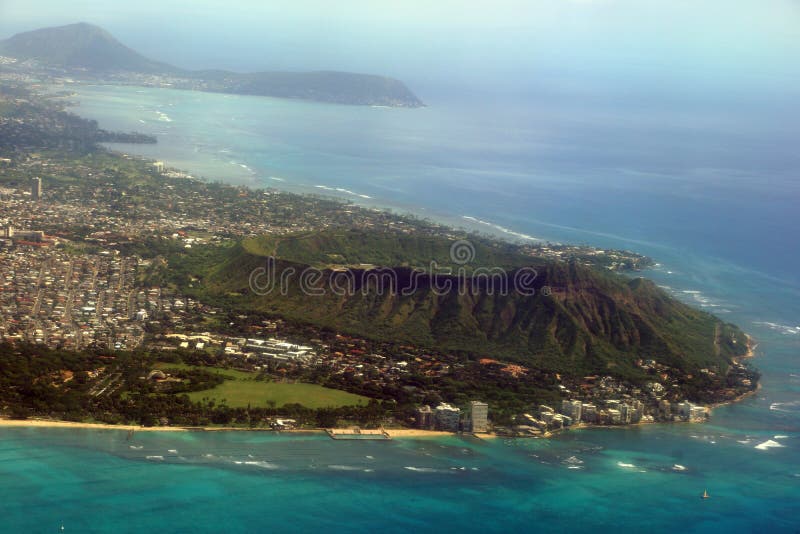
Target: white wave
{"type": "Point", "coordinates": [678, 467]}
{"type": "Point", "coordinates": [345, 468]}
{"type": "Point", "coordinates": [574, 467]}
{"type": "Point", "coordinates": [788, 407]}
{"type": "Point", "coordinates": [627, 466]}
{"type": "Point", "coordinates": [780, 436]}
{"type": "Point", "coordinates": [173, 451]}
{"type": "Point", "coordinates": [424, 469]}
{"type": "Point", "coordinates": [786, 330]}
{"type": "Point", "coordinates": [143, 122]}
{"type": "Point", "coordinates": [337, 189]}
{"type": "Point", "coordinates": [155, 457]}
{"type": "Point", "coordinates": [136, 447]}
{"type": "Point", "coordinates": [263, 465]}
{"type": "Point", "coordinates": [500, 228]}
{"type": "Point", "coordinates": [370, 457]}
{"type": "Point", "coordinates": [769, 444]}
{"type": "Point", "coordinates": [277, 179]}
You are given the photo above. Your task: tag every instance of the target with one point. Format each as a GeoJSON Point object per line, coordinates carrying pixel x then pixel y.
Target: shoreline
{"type": "Point", "coordinates": [54, 423]}
{"type": "Point", "coordinates": [256, 179]}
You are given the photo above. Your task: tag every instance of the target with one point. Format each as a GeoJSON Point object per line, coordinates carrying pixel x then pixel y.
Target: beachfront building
{"type": "Point", "coordinates": [588, 413]}
{"type": "Point", "coordinates": [479, 416]}
{"type": "Point", "coordinates": [425, 418]}
{"type": "Point", "coordinates": [448, 418]}
{"type": "Point", "coordinates": [572, 409]}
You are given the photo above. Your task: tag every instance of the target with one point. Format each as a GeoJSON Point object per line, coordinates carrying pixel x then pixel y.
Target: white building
{"type": "Point", "coordinates": [479, 416]}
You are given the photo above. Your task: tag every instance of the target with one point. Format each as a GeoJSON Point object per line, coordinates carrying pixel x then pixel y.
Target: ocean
{"type": "Point", "coordinates": [710, 195]}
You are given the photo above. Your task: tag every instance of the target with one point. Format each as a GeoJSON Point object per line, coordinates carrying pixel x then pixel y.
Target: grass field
{"type": "Point", "coordinates": [240, 389]}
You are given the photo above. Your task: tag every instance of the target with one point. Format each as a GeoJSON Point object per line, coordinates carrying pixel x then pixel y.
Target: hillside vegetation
{"type": "Point", "coordinates": [569, 318]}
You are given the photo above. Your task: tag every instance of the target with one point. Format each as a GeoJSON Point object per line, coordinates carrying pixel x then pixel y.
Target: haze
{"type": "Point", "coordinates": [642, 50]}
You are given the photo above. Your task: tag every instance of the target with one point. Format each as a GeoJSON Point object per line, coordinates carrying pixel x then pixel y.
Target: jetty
{"type": "Point", "coordinates": [358, 434]}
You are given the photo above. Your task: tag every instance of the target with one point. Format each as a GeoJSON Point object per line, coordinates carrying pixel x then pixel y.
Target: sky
{"type": "Point", "coordinates": [684, 49]}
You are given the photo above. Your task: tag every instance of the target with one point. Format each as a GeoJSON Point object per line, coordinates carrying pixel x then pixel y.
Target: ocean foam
{"type": "Point", "coordinates": [500, 228]}
{"type": "Point", "coordinates": [424, 469]}
{"type": "Point", "coordinates": [263, 465]}
{"type": "Point", "coordinates": [769, 444]}
{"type": "Point", "coordinates": [787, 407]}
{"type": "Point", "coordinates": [678, 467]}
{"type": "Point", "coordinates": [786, 330]}
{"type": "Point", "coordinates": [337, 189]}
{"type": "Point", "coordinates": [345, 468]}
{"type": "Point", "coordinates": [155, 457]}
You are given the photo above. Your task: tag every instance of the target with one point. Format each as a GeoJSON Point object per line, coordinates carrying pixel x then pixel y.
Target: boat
{"type": "Point", "coordinates": [705, 494]}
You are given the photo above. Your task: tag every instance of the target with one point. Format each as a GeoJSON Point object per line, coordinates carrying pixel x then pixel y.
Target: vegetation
{"type": "Point", "coordinates": [577, 321]}
{"type": "Point", "coordinates": [239, 389]}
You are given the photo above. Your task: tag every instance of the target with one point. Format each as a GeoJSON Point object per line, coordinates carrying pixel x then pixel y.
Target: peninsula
{"type": "Point", "coordinates": [86, 52]}
{"type": "Point", "coordinates": [136, 294]}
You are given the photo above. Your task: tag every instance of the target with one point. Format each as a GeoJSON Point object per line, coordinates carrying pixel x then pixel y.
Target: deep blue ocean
{"type": "Point", "coordinates": [710, 194]}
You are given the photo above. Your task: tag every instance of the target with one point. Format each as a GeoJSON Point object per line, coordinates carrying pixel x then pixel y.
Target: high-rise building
{"type": "Point", "coordinates": [425, 417]}
{"type": "Point", "coordinates": [448, 418]}
{"type": "Point", "coordinates": [589, 413]}
{"type": "Point", "coordinates": [36, 188]}
{"type": "Point", "coordinates": [625, 413]}
{"type": "Point", "coordinates": [572, 409]}
{"type": "Point", "coordinates": [479, 416]}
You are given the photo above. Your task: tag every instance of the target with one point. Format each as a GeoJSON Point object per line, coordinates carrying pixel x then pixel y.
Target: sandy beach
{"type": "Point", "coordinates": [49, 423]}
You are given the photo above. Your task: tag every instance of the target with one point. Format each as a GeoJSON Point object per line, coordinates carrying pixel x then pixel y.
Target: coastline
{"type": "Point", "coordinates": [53, 423]}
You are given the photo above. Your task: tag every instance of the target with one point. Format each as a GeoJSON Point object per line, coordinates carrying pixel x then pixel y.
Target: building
{"type": "Point", "coordinates": [425, 419]}
{"type": "Point", "coordinates": [625, 413]}
{"type": "Point", "coordinates": [479, 416]}
{"type": "Point", "coordinates": [36, 188]}
{"type": "Point", "coordinates": [614, 416]}
{"type": "Point", "coordinates": [589, 413]}
{"type": "Point", "coordinates": [698, 413]}
{"type": "Point", "coordinates": [448, 418]}
{"type": "Point", "coordinates": [685, 409]}
{"type": "Point", "coordinates": [572, 409]}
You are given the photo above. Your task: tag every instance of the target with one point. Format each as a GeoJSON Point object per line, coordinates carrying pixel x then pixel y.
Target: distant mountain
{"type": "Point", "coordinates": [86, 48]}
{"type": "Point", "coordinates": [79, 45]}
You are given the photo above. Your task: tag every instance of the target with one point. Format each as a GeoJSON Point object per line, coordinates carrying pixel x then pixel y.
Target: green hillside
{"type": "Point", "coordinates": [568, 318]}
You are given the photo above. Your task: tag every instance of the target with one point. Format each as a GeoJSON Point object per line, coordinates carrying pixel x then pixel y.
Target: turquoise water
{"type": "Point", "coordinates": [711, 197]}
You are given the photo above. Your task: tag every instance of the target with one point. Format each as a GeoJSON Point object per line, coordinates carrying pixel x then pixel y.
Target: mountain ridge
{"type": "Point", "coordinates": [572, 319]}
{"type": "Point", "coordinates": [89, 49]}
